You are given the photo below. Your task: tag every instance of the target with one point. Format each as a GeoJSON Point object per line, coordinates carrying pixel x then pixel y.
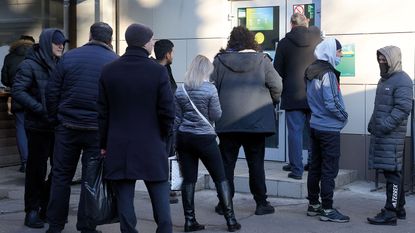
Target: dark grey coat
{"type": "Point", "coordinates": [388, 123]}
{"type": "Point", "coordinates": [248, 88]}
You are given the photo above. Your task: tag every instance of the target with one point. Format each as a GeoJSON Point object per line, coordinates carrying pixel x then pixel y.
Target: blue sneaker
{"type": "Point", "coordinates": [333, 215]}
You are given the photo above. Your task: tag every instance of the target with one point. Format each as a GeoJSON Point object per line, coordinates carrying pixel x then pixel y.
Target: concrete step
{"type": "Point", "coordinates": [6, 133]}
{"type": "Point", "coordinates": [278, 184]}
{"type": "Point", "coordinates": [9, 159]}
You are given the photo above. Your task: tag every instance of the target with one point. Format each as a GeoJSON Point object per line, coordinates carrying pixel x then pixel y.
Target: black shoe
{"type": "Point", "coordinates": [32, 220]}
{"type": "Point", "coordinates": [401, 213]}
{"type": "Point", "coordinates": [22, 168]}
{"type": "Point", "coordinates": [218, 209]}
{"type": "Point", "coordinates": [314, 210]}
{"type": "Point", "coordinates": [52, 231]}
{"type": "Point", "coordinates": [262, 209]}
{"type": "Point", "coordinates": [306, 167]}
{"type": "Point", "coordinates": [287, 167]}
{"type": "Point", "coordinates": [173, 200]}
{"type": "Point", "coordinates": [234, 227]}
{"type": "Point", "coordinates": [192, 225]}
{"type": "Point", "coordinates": [385, 217]}
{"type": "Point", "coordinates": [292, 176]}
{"type": "Point", "coordinates": [333, 215]}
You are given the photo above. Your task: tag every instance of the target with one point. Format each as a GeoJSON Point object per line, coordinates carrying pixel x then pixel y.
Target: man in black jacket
{"type": "Point", "coordinates": [294, 53]}
{"type": "Point", "coordinates": [28, 90]}
{"type": "Point", "coordinates": [163, 50]}
{"type": "Point", "coordinates": [136, 113]}
{"type": "Point", "coordinates": [72, 94]}
{"type": "Point", "coordinates": [18, 51]}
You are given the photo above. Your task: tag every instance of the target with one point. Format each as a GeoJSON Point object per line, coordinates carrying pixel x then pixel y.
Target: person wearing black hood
{"type": "Point", "coordinates": [29, 91]}
{"type": "Point", "coordinates": [293, 54]}
{"type": "Point", "coordinates": [387, 126]}
{"type": "Point", "coordinates": [136, 114]}
{"type": "Point", "coordinates": [18, 51]}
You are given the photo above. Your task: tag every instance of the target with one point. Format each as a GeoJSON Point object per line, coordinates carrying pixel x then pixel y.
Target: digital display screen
{"type": "Point", "coordinates": [263, 22]}
{"type": "Point", "coordinates": [259, 19]}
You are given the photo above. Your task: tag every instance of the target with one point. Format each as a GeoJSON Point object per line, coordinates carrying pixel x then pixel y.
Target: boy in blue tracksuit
{"type": "Point", "coordinates": [328, 117]}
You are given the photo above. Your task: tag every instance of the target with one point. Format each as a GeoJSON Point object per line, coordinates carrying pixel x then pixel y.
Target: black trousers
{"type": "Point", "coordinates": [324, 167]}
{"type": "Point", "coordinates": [395, 193]}
{"type": "Point", "coordinates": [159, 195]}
{"type": "Point", "coordinates": [191, 148]}
{"type": "Point", "coordinates": [69, 145]}
{"type": "Point", "coordinates": [40, 146]}
{"type": "Point", "coordinates": [254, 147]}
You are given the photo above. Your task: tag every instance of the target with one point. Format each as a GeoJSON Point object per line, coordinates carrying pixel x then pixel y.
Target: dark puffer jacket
{"type": "Point", "coordinates": [29, 87]}
{"type": "Point", "coordinates": [248, 88]}
{"type": "Point", "coordinates": [388, 123]}
{"type": "Point", "coordinates": [17, 53]}
{"type": "Point", "coordinates": [72, 92]}
{"type": "Point", "coordinates": [206, 100]}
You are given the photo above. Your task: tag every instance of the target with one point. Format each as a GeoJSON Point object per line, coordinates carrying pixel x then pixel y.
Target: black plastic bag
{"type": "Point", "coordinates": [99, 198]}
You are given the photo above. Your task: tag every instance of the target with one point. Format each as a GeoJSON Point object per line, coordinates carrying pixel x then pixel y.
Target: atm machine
{"type": "Point", "coordinates": [269, 20]}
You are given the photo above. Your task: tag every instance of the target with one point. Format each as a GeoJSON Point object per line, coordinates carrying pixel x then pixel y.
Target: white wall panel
{"type": "Point", "coordinates": [354, 99]}
{"type": "Point", "coordinates": [367, 16]}
{"type": "Point", "coordinates": [367, 68]}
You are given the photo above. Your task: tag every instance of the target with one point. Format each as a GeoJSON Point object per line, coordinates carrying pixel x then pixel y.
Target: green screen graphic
{"type": "Point", "coordinates": [347, 64]}
{"type": "Point", "coordinates": [259, 19]}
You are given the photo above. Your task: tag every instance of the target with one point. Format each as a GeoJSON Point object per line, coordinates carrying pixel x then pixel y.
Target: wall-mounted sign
{"type": "Point", "coordinates": [348, 63]}
{"type": "Point", "coordinates": [309, 10]}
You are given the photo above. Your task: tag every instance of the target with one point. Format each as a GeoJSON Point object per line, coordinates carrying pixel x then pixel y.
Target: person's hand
{"type": "Point", "coordinates": [103, 152]}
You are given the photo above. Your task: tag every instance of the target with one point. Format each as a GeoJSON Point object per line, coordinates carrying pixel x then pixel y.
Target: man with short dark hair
{"type": "Point", "coordinates": [163, 50]}
{"type": "Point", "coordinates": [71, 102]}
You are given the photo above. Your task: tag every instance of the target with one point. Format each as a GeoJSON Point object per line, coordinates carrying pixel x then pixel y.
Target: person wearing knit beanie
{"type": "Point", "coordinates": [138, 35]}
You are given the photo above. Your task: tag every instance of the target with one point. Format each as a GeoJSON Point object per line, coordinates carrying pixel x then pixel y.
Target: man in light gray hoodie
{"type": "Point", "coordinates": [328, 117]}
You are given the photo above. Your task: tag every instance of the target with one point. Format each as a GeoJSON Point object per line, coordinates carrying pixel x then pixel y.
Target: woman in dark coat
{"type": "Point", "coordinates": [197, 106]}
{"type": "Point", "coordinates": [136, 113]}
{"type": "Point", "coordinates": [393, 104]}
{"type": "Point", "coordinates": [248, 88]}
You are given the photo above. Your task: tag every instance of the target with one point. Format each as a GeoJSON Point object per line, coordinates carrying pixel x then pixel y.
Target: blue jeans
{"type": "Point", "coordinates": [21, 137]}
{"type": "Point", "coordinates": [296, 123]}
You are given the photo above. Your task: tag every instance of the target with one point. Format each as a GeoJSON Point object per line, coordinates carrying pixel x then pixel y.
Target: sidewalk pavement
{"type": "Point", "coordinates": [354, 200]}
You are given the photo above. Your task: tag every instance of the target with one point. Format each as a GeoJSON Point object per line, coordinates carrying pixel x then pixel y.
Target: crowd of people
{"type": "Point", "coordinates": [90, 104]}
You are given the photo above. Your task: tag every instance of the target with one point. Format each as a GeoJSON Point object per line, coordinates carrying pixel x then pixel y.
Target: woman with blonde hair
{"type": "Point", "coordinates": [197, 106]}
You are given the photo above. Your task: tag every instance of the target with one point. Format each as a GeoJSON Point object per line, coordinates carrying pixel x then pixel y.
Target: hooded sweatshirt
{"type": "Point", "coordinates": [31, 79]}
{"type": "Point", "coordinates": [248, 87]}
{"type": "Point", "coordinates": [323, 91]}
{"type": "Point", "coordinates": [293, 55]}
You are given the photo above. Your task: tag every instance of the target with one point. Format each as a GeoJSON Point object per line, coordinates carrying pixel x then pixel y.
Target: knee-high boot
{"type": "Point", "coordinates": [190, 224]}
{"type": "Point", "coordinates": [225, 198]}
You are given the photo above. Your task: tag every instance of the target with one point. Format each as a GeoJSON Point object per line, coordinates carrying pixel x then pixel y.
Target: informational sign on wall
{"type": "Point", "coordinates": [348, 63]}
{"type": "Point", "coordinates": [309, 10]}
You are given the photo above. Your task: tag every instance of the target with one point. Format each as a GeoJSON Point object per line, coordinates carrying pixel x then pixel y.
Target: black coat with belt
{"type": "Point", "coordinates": [136, 112]}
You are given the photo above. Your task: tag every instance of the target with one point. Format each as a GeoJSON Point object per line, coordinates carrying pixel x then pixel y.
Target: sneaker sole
{"type": "Point", "coordinates": [325, 219]}
{"type": "Point", "coordinates": [393, 223]}
{"type": "Point", "coordinates": [313, 214]}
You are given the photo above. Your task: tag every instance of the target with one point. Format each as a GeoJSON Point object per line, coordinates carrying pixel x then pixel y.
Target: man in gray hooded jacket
{"type": "Point", "coordinates": [328, 117]}
{"type": "Point", "coordinates": [387, 126]}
